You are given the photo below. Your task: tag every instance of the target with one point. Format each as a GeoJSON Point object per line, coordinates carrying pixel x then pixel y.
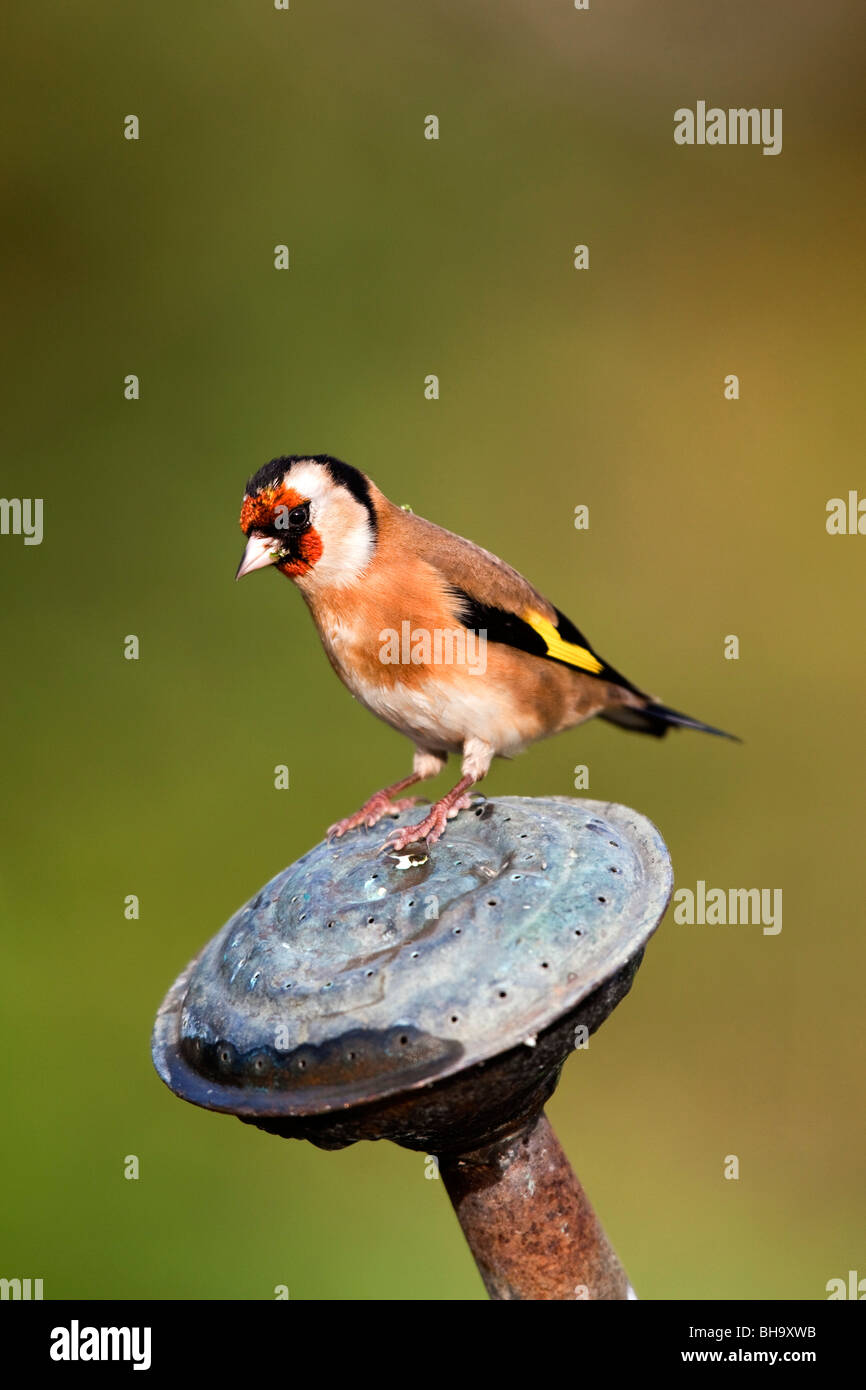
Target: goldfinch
{"type": "Point", "coordinates": [439, 638]}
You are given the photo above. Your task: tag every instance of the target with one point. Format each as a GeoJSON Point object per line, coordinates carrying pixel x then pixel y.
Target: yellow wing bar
{"type": "Point", "coordinates": [558, 648]}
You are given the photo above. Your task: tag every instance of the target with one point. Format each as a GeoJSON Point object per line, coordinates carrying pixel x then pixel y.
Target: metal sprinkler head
{"type": "Point", "coordinates": [432, 999]}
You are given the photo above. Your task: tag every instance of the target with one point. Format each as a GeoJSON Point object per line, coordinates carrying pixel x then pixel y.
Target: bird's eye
{"type": "Point", "coordinates": [294, 519]}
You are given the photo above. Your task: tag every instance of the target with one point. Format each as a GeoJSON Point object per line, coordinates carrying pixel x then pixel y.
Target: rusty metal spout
{"type": "Point", "coordinates": [529, 1223]}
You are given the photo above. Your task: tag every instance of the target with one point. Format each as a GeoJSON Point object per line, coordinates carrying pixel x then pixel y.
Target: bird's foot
{"type": "Point", "coordinates": [430, 828]}
{"type": "Point", "coordinates": [371, 812]}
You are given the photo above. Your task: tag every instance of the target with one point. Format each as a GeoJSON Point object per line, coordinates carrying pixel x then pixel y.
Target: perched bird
{"type": "Point", "coordinates": [439, 638]}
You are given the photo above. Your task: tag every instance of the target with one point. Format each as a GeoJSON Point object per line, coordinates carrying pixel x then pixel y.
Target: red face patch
{"type": "Point", "coordinates": [261, 513]}
{"type": "Point", "coordinates": [309, 549]}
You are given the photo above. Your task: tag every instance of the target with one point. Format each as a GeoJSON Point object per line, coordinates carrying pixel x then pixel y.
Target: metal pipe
{"type": "Point", "coordinates": [528, 1221]}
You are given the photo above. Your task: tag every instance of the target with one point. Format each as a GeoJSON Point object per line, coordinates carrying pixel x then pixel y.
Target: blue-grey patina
{"type": "Point", "coordinates": [350, 978]}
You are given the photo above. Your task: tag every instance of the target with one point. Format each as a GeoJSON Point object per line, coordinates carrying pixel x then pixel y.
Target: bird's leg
{"type": "Point", "coordinates": [477, 757]}
{"type": "Point", "coordinates": [382, 804]}
{"type": "Point", "coordinates": [379, 805]}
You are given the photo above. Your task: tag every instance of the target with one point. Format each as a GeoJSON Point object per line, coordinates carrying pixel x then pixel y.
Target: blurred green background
{"type": "Point", "coordinates": [558, 387]}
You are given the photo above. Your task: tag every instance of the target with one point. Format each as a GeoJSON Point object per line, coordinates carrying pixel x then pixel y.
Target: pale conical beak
{"type": "Point", "coordinates": [260, 551]}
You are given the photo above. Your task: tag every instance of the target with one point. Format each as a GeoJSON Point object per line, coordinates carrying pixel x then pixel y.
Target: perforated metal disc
{"type": "Point", "coordinates": [348, 978]}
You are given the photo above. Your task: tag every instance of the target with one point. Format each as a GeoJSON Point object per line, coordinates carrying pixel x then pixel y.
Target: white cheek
{"type": "Point", "coordinates": [341, 564]}
{"type": "Point", "coordinates": [347, 544]}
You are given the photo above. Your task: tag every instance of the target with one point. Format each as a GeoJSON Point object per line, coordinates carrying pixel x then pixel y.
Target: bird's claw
{"type": "Point", "coordinates": [427, 831]}
{"type": "Point", "coordinates": [370, 814]}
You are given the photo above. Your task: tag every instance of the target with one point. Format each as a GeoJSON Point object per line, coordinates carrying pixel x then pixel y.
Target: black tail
{"type": "Point", "coordinates": [656, 719]}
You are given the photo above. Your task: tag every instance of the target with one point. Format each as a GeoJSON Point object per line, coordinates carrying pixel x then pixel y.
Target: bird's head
{"type": "Point", "coordinates": [311, 516]}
